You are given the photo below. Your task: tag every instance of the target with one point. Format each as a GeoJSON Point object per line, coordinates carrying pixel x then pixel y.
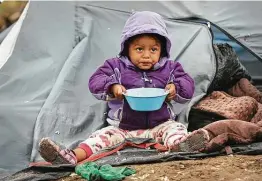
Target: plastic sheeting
{"type": "Point", "coordinates": [4, 33]}
{"type": "Point", "coordinates": [44, 77]}
{"type": "Point", "coordinates": [229, 68]}
{"type": "Point", "coordinates": [127, 157]}
{"type": "Point", "coordinates": [37, 173]}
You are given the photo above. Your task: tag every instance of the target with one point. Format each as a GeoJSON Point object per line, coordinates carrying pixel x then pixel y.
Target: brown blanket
{"type": "Point", "coordinates": [240, 108]}
{"type": "Point", "coordinates": [258, 116]}
{"type": "Point", "coordinates": [244, 88]}
{"type": "Point", "coordinates": [228, 132]}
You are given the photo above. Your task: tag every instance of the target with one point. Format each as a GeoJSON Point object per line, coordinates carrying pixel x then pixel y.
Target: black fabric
{"type": "Point", "coordinates": [141, 156]}
{"type": "Point", "coordinates": [127, 156]}
{"type": "Point", "coordinates": [199, 119]}
{"type": "Point", "coordinates": [37, 173]}
{"type": "Point", "coordinates": [229, 68]}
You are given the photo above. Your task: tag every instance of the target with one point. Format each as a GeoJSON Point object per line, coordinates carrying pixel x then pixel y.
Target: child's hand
{"type": "Point", "coordinates": [172, 91]}
{"type": "Point", "coordinates": [118, 91]}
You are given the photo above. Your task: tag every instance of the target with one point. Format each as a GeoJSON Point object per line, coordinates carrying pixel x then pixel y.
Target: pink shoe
{"type": "Point", "coordinates": [52, 153]}
{"type": "Point", "coordinates": [196, 141]}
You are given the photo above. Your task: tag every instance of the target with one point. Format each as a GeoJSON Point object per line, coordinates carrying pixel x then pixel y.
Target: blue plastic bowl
{"type": "Point", "coordinates": [145, 99]}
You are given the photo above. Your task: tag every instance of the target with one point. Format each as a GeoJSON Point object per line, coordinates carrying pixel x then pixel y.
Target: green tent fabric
{"type": "Point", "coordinates": [91, 171]}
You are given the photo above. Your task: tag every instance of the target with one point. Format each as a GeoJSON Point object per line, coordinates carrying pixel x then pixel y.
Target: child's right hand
{"type": "Point", "coordinates": [118, 91]}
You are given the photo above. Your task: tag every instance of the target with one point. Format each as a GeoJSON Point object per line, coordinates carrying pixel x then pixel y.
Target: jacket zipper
{"type": "Point", "coordinates": [146, 79]}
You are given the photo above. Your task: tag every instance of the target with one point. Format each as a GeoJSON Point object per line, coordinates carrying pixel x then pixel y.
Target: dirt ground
{"type": "Point", "coordinates": [228, 168]}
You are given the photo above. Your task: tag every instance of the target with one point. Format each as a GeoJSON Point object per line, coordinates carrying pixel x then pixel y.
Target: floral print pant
{"type": "Point", "coordinates": [169, 133]}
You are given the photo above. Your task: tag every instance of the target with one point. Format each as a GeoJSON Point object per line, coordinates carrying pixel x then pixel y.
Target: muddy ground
{"type": "Point", "coordinates": [228, 168]}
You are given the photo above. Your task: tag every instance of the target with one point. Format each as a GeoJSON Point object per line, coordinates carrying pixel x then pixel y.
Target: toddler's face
{"type": "Point", "coordinates": [144, 52]}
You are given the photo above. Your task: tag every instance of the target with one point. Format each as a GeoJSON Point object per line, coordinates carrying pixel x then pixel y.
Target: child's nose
{"type": "Point", "coordinates": [146, 54]}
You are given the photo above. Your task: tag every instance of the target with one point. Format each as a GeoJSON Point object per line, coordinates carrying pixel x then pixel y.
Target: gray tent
{"type": "Point", "coordinates": [48, 55]}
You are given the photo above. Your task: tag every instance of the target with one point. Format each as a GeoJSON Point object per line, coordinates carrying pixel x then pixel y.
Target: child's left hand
{"type": "Point", "coordinates": [172, 91]}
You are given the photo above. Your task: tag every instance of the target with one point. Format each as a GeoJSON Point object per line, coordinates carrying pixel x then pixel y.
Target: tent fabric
{"type": "Point", "coordinates": [4, 33]}
{"type": "Point", "coordinates": [248, 60]}
{"type": "Point", "coordinates": [44, 75]}
{"type": "Point", "coordinates": [240, 19]}
{"type": "Point", "coordinates": [28, 76]}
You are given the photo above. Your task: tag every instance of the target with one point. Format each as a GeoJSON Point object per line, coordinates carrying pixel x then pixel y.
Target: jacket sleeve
{"type": "Point", "coordinates": [102, 79]}
{"type": "Point", "coordinates": [185, 86]}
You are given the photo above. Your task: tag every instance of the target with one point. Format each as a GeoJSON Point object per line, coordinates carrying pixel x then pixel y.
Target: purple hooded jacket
{"type": "Point", "coordinates": [122, 71]}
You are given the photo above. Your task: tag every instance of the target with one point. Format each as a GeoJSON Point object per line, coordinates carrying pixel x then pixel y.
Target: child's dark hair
{"type": "Point", "coordinates": [158, 37]}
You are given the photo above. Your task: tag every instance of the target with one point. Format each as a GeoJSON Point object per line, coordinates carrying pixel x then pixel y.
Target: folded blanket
{"type": "Point", "coordinates": [223, 104]}
{"type": "Point", "coordinates": [244, 88]}
{"type": "Point", "coordinates": [258, 116]}
{"type": "Point", "coordinates": [228, 132]}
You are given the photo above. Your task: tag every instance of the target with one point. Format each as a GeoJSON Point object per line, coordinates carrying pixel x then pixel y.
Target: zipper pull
{"type": "Point", "coordinates": [146, 79]}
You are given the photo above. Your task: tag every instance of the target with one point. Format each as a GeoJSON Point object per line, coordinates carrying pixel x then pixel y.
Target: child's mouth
{"type": "Point", "coordinates": [146, 64]}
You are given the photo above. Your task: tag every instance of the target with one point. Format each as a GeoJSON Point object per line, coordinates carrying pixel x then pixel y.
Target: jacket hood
{"type": "Point", "coordinates": [145, 22]}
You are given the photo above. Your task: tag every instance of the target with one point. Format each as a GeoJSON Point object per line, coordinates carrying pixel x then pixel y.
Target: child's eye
{"type": "Point", "coordinates": [139, 49]}
{"type": "Point", "coordinates": [154, 49]}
